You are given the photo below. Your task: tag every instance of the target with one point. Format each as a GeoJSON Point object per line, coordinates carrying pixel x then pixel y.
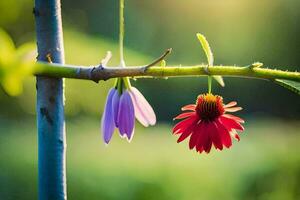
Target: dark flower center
{"type": "Point", "coordinates": [209, 107]}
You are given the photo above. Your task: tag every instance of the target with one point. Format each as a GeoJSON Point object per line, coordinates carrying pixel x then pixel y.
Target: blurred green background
{"type": "Point", "coordinates": [264, 165]}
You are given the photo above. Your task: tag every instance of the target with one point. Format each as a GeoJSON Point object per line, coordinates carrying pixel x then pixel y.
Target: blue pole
{"type": "Point", "coordinates": [50, 104]}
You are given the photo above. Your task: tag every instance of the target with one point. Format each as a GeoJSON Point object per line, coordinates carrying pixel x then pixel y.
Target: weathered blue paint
{"type": "Point", "coordinates": [50, 104]}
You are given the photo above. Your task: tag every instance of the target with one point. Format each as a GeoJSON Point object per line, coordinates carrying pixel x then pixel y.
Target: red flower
{"type": "Point", "coordinates": [208, 124]}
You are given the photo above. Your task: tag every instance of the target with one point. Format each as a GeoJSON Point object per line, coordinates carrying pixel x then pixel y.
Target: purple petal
{"type": "Point", "coordinates": [107, 121]}
{"type": "Point", "coordinates": [143, 110]}
{"type": "Point", "coordinates": [115, 107]}
{"type": "Point", "coordinates": [126, 116]}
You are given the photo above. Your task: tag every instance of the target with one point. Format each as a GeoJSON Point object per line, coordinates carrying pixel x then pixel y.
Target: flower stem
{"type": "Point", "coordinates": [120, 86]}
{"type": "Point", "coordinates": [209, 80]}
{"type": "Point", "coordinates": [121, 29]}
{"type": "Point", "coordinates": [125, 80]}
{"type": "Point", "coordinates": [127, 83]}
{"type": "Point", "coordinates": [116, 83]}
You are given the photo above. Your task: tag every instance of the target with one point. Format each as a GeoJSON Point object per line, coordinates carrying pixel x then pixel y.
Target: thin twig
{"type": "Point", "coordinates": [167, 52]}
{"type": "Point", "coordinates": [106, 59]}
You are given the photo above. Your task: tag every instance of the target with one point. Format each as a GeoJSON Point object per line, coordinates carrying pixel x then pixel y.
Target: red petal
{"type": "Point", "coordinates": [184, 115]}
{"type": "Point", "coordinates": [207, 144]}
{"type": "Point", "coordinates": [189, 107]}
{"type": "Point", "coordinates": [234, 134]}
{"type": "Point", "coordinates": [233, 109]}
{"type": "Point", "coordinates": [201, 130]}
{"type": "Point", "coordinates": [234, 118]}
{"type": "Point", "coordinates": [216, 137]}
{"type": "Point", "coordinates": [205, 141]}
{"type": "Point", "coordinates": [231, 123]}
{"type": "Point", "coordinates": [199, 149]}
{"type": "Point", "coordinates": [233, 103]}
{"type": "Point", "coordinates": [181, 126]}
{"type": "Point", "coordinates": [195, 136]}
{"type": "Point", "coordinates": [187, 132]}
{"type": "Point", "coordinates": [193, 140]}
{"type": "Point", "coordinates": [224, 133]}
{"type": "Point", "coordinates": [184, 135]}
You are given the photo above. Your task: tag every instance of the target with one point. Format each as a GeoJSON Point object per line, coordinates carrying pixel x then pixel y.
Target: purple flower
{"type": "Point", "coordinates": [143, 111]}
{"type": "Point", "coordinates": [120, 112]}
{"type": "Point", "coordinates": [107, 122]}
{"type": "Point", "coordinates": [125, 118]}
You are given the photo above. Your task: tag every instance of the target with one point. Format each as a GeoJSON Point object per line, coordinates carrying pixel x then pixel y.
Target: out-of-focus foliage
{"type": "Point", "coordinates": [15, 64]}
{"type": "Point", "coordinates": [264, 165]}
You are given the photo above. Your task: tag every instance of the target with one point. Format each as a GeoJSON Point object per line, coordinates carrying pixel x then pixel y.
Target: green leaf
{"type": "Point", "coordinates": [206, 48]}
{"type": "Point", "coordinates": [163, 63]}
{"type": "Point", "coordinates": [220, 80]}
{"type": "Point", "coordinates": [291, 85]}
{"type": "Point", "coordinates": [209, 55]}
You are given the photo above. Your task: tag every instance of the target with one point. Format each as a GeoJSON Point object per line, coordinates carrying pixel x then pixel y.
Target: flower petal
{"type": "Point", "coordinates": [187, 132]}
{"type": "Point", "coordinates": [189, 107]}
{"type": "Point", "coordinates": [184, 124]}
{"type": "Point", "coordinates": [234, 134]}
{"type": "Point", "coordinates": [107, 121]}
{"type": "Point", "coordinates": [215, 135]}
{"type": "Point", "coordinates": [115, 107]}
{"type": "Point", "coordinates": [224, 133]}
{"type": "Point", "coordinates": [207, 141]}
{"type": "Point", "coordinates": [231, 123]}
{"type": "Point", "coordinates": [184, 115]}
{"type": "Point", "coordinates": [233, 103]}
{"type": "Point", "coordinates": [201, 131]}
{"type": "Point", "coordinates": [233, 109]}
{"type": "Point", "coordinates": [126, 116]}
{"type": "Point", "coordinates": [194, 139]}
{"type": "Point", "coordinates": [143, 110]}
{"type": "Point", "coordinates": [234, 118]}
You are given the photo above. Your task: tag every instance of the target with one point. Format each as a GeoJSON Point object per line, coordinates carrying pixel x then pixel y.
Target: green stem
{"type": "Point", "coordinates": [127, 83]}
{"type": "Point", "coordinates": [120, 86]}
{"type": "Point", "coordinates": [209, 79]}
{"type": "Point", "coordinates": [125, 80]}
{"type": "Point", "coordinates": [121, 31]}
{"type": "Point", "coordinates": [116, 83]}
{"type": "Point", "coordinates": [98, 73]}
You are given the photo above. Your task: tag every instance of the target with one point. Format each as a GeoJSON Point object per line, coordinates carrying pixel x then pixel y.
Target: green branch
{"type": "Point", "coordinates": [104, 73]}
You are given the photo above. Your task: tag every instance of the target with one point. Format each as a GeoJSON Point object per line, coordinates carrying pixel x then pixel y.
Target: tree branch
{"type": "Point", "coordinates": [104, 73]}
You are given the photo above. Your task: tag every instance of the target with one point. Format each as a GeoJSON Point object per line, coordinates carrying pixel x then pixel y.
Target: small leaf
{"type": "Point", "coordinates": [209, 55]}
{"type": "Point", "coordinates": [206, 48]}
{"type": "Point", "coordinates": [163, 63]}
{"type": "Point", "coordinates": [220, 80]}
{"type": "Point", "coordinates": [291, 85]}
